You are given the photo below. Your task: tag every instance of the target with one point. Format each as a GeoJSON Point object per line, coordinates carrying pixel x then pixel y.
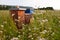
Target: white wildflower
{"type": "Point", "coordinates": [5, 22]}
{"type": "Point", "coordinates": [59, 21]}
{"type": "Point", "coordinates": [45, 31]}
{"type": "Point", "coordinates": [14, 38]}
{"type": "Point", "coordinates": [23, 28]}
{"type": "Point", "coordinates": [46, 20]}
{"type": "Point", "coordinates": [18, 35]}
{"type": "Point", "coordinates": [1, 31]}
{"type": "Point", "coordinates": [42, 39]}
{"type": "Point", "coordinates": [4, 36]}
{"type": "Point", "coordinates": [53, 33]}
{"type": "Point", "coordinates": [29, 29]}
{"type": "Point", "coordinates": [38, 18]}
{"type": "Point", "coordinates": [50, 28]}
{"type": "Point", "coordinates": [38, 37]}
{"type": "Point", "coordinates": [16, 20]}
{"type": "Point", "coordinates": [29, 36]}
{"type": "Point", "coordinates": [35, 34]}
{"type": "Point", "coordinates": [23, 32]}
{"type": "Point", "coordinates": [43, 20]}
{"type": "Point", "coordinates": [2, 26]}
{"type": "Point", "coordinates": [41, 23]}
{"type": "Point", "coordinates": [38, 13]}
{"type": "Point", "coordinates": [32, 18]}
{"type": "Point", "coordinates": [42, 11]}
{"type": "Point", "coordinates": [23, 24]}
{"type": "Point", "coordinates": [13, 14]}
{"type": "Point", "coordinates": [35, 28]}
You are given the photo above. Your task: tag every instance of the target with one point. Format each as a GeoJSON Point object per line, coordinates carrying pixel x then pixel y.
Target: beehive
{"type": "Point", "coordinates": [19, 16]}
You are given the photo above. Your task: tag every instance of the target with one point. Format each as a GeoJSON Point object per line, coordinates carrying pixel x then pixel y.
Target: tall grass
{"type": "Point", "coordinates": [7, 26]}
{"type": "Point", "coordinates": [44, 25]}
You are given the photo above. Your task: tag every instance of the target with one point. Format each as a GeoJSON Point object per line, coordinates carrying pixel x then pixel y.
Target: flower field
{"type": "Point", "coordinates": [44, 25]}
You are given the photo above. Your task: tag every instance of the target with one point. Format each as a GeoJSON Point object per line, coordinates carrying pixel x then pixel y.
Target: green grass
{"type": "Point", "coordinates": [44, 25]}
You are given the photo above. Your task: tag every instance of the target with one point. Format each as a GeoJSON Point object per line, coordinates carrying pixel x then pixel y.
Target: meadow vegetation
{"type": "Point", "coordinates": [44, 25]}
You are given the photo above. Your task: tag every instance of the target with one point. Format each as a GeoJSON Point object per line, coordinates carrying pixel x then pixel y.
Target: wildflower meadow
{"type": "Point", "coordinates": [44, 25]}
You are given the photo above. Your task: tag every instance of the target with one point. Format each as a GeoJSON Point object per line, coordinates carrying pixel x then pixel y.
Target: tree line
{"type": "Point", "coordinates": [4, 7]}
{"type": "Point", "coordinates": [47, 8]}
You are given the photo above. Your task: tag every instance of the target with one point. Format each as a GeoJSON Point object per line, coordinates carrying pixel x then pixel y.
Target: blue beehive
{"type": "Point", "coordinates": [28, 15]}
{"type": "Point", "coordinates": [28, 11]}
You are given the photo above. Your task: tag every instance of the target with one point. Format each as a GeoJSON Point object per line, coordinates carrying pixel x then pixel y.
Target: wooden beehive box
{"type": "Point", "coordinates": [18, 16]}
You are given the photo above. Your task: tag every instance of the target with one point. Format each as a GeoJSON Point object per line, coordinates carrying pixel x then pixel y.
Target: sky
{"type": "Point", "coordinates": [33, 3]}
